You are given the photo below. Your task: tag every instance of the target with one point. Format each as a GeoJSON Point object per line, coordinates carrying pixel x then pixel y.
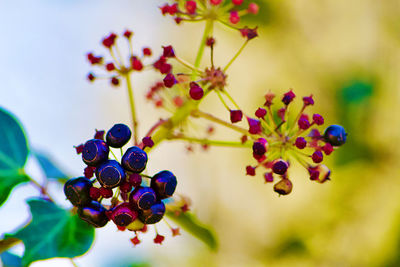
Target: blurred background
{"type": "Point", "coordinates": [345, 53]}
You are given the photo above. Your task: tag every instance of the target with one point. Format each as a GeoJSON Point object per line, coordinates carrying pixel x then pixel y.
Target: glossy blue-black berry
{"type": "Point", "coordinates": [134, 159]}
{"type": "Point", "coordinates": [95, 151]}
{"type": "Point", "coordinates": [142, 198]}
{"type": "Point", "coordinates": [77, 190]}
{"type": "Point", "coordinates": [110, 174]}
{"type": "Point", "coordinates": [93, 213]}
{"type": "Point", "coordinates": [118, 135]}
{"type": "Point", "coordinates": [154, 214]}
{"type": "Point", "coordinates": [335, 135]}
{"type": "Point", "coordinates": [164, 184]}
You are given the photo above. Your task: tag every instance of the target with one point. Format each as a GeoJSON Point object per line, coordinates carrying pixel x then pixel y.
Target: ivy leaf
{"type": "Point", "coordinates": [14, 145]}
{"type": "Point", "coordinates": [13, 154]}
{"type": "Point", "coordinates": [190, 223]}
{"type": "Point", "coordinates": [8, 180]}
{"type": "Point", "coordinates": [49, 167]}
{"type": "Point", "coordinates": [53, 232]}
{"type": "Point", "coordinates": [10, 260]}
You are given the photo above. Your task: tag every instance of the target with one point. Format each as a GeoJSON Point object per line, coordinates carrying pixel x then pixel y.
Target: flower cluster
{"type": "Point", "coordinates": [280, 139]}
{"type": "Point", "coordinates": [134, 202]}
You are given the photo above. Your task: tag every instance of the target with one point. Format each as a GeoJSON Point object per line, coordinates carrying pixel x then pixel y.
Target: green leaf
{"type": "Point", "coordinates": [14, 145]}
{"type": "Point", "coordinates": [8, 180]}
{"type": "Point", "coordinates": [53, 232]}
{"type": "Point", "coordinates": [190, 223]}
{"type": "Point", "coordinates": [10, 260]}
{"type": "Point", "coordinates": [49, 167]}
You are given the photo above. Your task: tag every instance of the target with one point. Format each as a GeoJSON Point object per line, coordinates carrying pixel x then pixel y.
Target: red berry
{"type": "Point", "coordinates": [215, 2]}
{"type": "Point", "coordinates": [168, 51]}
{"type": "Point", "coordinates": [237, 2]}
{"type": "Point", "coordinates": [146, 51]}
{"type": "Point", "coordinates": [99, 135]}
{"type": "Point", "coordinates": [191, 7]}
{"type": "Point", "coordinates": [249, 33]}
{"type": "Point", "coordinates": [147, 141]}
{"type": "Point", "coordinates": [318, 119]}
{"type": "Point", "coordinates": [260, 113]}
{"type": "Point", "coordinates": [317, 156]}
{"type": "Point", "coordinates": [159, 239]}
{"type": "Point", "coordinates": [269, 178]}
{"type": "Point", "coordinates": [79, 149]}
{"type": "Point", "coordinates": [303, 122]}
{"type": "Point", "coordinates": [135, 241]}
{"type": "Point", "coordinates": [308, 100]}
{"type": "Point", "coordinates": [173, 9]}
{"type": "Point", "coordinates": [300, 142]}
{"type": "Point", "coordinates": [254, 126]}
{"type": "Point", "coordinates": [169, 80]}
{"type": "Point", "coordinates": [327, 148]}
{"type": "Point", "coordinates": [94, 193]}
{"type": "Point", "coordinates": [110, 67]}
{"type": "Point", "coordinates": [114, 81]}
{"type": "Point", "coordinates": [106, 192]}
{"type": "Point", "coordinates": [195, 92]}
{"type": "Point", "coordinates": [109, 41]}
{"type": "Point", "coordinates": [234, 17]}
{"type": "Point", "coordinates": [136, 64]}
{"type": "Point", "coordinates": [89, 171]}
{"type": "Point", "coordinates": [210, 41]}
{"type": "Point", "coordinates": [125, 187]}
{"type": "Point", "coordinates": [253, 8]}
{"type": "Point", "coordinates": [250, 170]}
{"type": "Point", "coordinates": [128, 34]}
{"type": "Point", "coordinates": [236, 115]}
{"type": "Point", "coordinates": [135, 179]}
{"type": "Point", "coordinates": [288, 97]}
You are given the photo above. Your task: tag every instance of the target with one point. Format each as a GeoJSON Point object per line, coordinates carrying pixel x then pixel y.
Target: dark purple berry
{"type": "Point", "coordinates": [335, 135]}
{"type": "Point", "coordinates": [154, 214]}
{"type": "Point", "coordinates": [134, 159]}
{"type": "Point", "coordinates": [259, 147]}
{"type": "Point", "coordinates": [93, 213]}
{"type": "Point", "coordinates": [110, 174]}
{"type": "Point", "coordinates": [118, 135]}
{"type": "Point", "coordinates": [283, 187]}
{"type": "Point", "coordinates": [142, 198]}
{"type": "Point", "coordinates": [123, 215]}
{"type": "Point", "coordinates": [280, 166]}
{"type": "Point", "coordinates": [164, 184]}
{"type": "Point", "coordinates": [77, 190]}
{"type": "Point", "coordinates": [95, 151]}
{"type": "Point", "coordinates": [288, 97]}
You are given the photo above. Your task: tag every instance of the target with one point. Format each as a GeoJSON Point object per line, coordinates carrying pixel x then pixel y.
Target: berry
{"type": "Point", "coordinates": [123, 215]}
{"type": "Point", "coordinates": [164, 184]}
{"type": "Point", "coordinates": [91, 77]}
{"type": "Point", "coordinates": [254, 126]}
{"type": "Point", "coordinates": [260, 113]}
{"type": "Point", "coordinates": [259, 147]}
{"type": "Point", "coordinates": [308, 100]}
{"type": "Point", "coordinates": [89, 171]}
{"type": "Point", "coordinates": [114, 81]}
{"type": "Point", "coordinates": [283, 187]}
{"type": "Point", "coordinates": [110, 67]}
{"type": "Point", "coordinates": [288, 97]}
{"type": "Point", "coordinates": [234, 17]}
{"type": "Point", "coordinates": [191, 7]}
{"type": "Point", "coordinates": [249, 34]}
{"type": "Point", "coordinates": [250, 170]}
{"type": "Point", "coordinates": [118, 135]}
{"type": "Point", "coordinates": [159, 239]}
{"type": "Point", "coordinates": [94, 193]}
{"type": "Point", "coordinates": [106, 192]}
{"type": "Point", "coordinates": [125, 187]}
{"type": "Point", "coordinates": [146, 51]}
{"type": "Point", "coordinates": [300, 142]}
{"type": "Point", "coordinates": [134, 159]}
{"type": "Point", "coordinates": [280, 166]}
{"type": "Point", "coordinates": [109, 40]}
{"type": "Point", "coordinates": [77, 190]}
{"type": "Point", "coordinates": [318, 119]}
{"type": "Point", "coordinates": [317, 156]}
{"type": "Point", "coordinates": [215, 2]}
{"type": "Point", "coordinates": [135, 179]}
{"type": "Point", "coordinates": [327, 148]}
{"type": "Point", "coordinates": [303, 122]}
{"type": "Point", "coordinates": [195, 92]}
{"type": "Point", "coordinates": [237, 2]}
{"type": "Point", "coordinates": [99, 135]}
{"type": "Point", "coordinates": [142, 198]}
{"type": "Point", "coordinates": [335, 135]}
{"type": "Point", "coordinates": [136, 64]}
{"type": "Point", "coordinates": [168, 51]}
{"type": "Point", "coordinates": [268, 177]}
{"type": "Point", "coordinates": [169, 80]}
{"type": "Point", "coordinates": [110, 174]}
{"type": "Point", "coordinates": [253, 8]}
{"type": "Point", "coordinates": [93, 213]}
{"type": "Point", "coordinates": [128, 34]}
{"type": "Point", "coordinates": [147, 141]}
{"type": "Point", "coordinates": [154, 214]}
{"type": "Point", "coordinates": [94, 152]}
{"type": "Point", "coordinates": [236, 115]}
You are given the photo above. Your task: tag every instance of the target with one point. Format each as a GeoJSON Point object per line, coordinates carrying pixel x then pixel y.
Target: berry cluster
{"type": "Point", "coordinates": [278, 139]}
{"type": "Point", "coordinates": [228, 13]}
{"type": "Point", "coordinates": [134, 203]}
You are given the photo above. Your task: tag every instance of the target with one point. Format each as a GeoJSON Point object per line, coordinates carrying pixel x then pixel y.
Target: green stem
{"type": "Point", "coordinates": [210, 142]}
{"type": "Point", "coordinates": [133, 110]}
{"type": "Point", "coordinates": [236, 55]}
{"type": "Point", "coordinates": [207, 30]}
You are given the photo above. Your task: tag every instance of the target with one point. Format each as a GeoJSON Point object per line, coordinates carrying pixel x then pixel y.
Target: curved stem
{"type": "Point", "coordinates": [132, 105]}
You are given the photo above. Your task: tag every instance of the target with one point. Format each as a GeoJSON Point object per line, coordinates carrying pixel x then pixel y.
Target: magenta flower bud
{"type": "Point", "coordinates": [318, 119]}
{"type": "Point", "coordinates": [168, 51]}
{"type": "Point", "coordinates": [303, 122]}
{"type": "Point", "coordinates": [268, 176]}
{"type": "Point", "coordinates": [254, 126]}
{"type": "Point", "coordinates": [308, 100]}
{"type": "Point", "coordinates": [288, 97]}
{"type": "Point", "coordinates": [327, 148]}
{"type": "Point", "coordinates": [300, 142]}
{"type": "Point", "coordinates": [236, 115]}
{"type": "Point", "coordinates": [169, 80]}
{"type": "Point", "coordinates": [260, 113]}
{"type": "Point", "coordinates": [147, 141]}
{"type": "Point", "coordinates": [250, 170]}
{"type": "Point", "coordinates": [195, 92]}
{"type": "Point", "coordinates": [317, 156]}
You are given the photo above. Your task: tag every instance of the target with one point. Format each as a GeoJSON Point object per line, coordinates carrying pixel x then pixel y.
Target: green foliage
{"type": "Point", "coordinates": [53, 232]}
{"type": "Point", "coordinates": [10, 260]}
{"type": "Point", "coordinates": [13, 154]}
{"type": "Point", "coordinates": [190, 223]}
{"type": "Point", "coordinates": [51, 170]}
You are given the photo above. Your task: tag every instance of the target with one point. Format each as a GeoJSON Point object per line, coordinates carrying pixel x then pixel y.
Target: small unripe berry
{"type": "Point", "coordinates": [335, 135]}
{"type": "Point", "coordinates": [94, 152]}
{"type": "Point", "coordinates": [288, 97]}
{"type": "Point", "coordinates": [118, 135]}
{"type": "Point", "coordinates": [191, 7]}
{"type": "Point", "coordinates": [234, 17]}
{"type": "Point", "coordinates": [254, 126]}
{"type": "Point", "coordinates": [77, 190]}
{"type": "Point", "coordinates": [94, 193]}
{"type": "Point", "coordinates": [106, 192]}
{"type": "Point", "coordinates": [317, 156]}
{"type": "Point", "coordinates": [168, 51]}
{"type": "Point", "coordinates": [164, 184]}
{"type": "Point", "coordinates": [251, 171]}
{"type": "Point", "coordinates": [135, 179]}
{"type": "Point", "coordinates": [195, 92]}
{"type": "Point", "coordinates": [300, 142]}
{"type": "Point", "coordinates": [253, 8]}
{"type": "Point", "coordinates": [318, 119]}
{"type": "Point", "coordinates": [142, 198]}
{"type": "Point", "coordinates": [237, 2]}
{"type": "Point", "coordinates": [280, 166]}
{"type": "Point", "coordinates": [260, 113]}
{"type": "Point", "coordinates": [123, 215]}
{"type": "Point", "coordinates": [134, 159]}
{"type": "Point", "coordinates": [236, 115]}
{"type": "Point", "coordinates": [110, 174]}
{"type": "Point", "coordinates": [259, 147]}
{"type": "Point", "coordinates": [93, 213]}
{"type": "Point", "coordinates": [154, 214]}
{"type": "Point", "coordinates": [283, 187]}
{"type": "Point", "coordinates": [169, 80]}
